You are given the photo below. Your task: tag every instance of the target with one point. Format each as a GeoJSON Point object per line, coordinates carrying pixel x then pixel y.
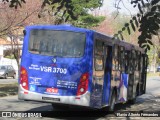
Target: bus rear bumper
{"type": "Point", "coordinates": [82, 100]}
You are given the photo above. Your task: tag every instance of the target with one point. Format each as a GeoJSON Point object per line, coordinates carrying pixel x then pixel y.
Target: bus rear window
{"type": "Point", "coordinates": [57, 43]}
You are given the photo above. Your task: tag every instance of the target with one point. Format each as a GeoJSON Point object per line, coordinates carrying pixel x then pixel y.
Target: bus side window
{"type": "Point", "coordinates": [99, 56]}
{"type": "Point", "coordinates": [130, 62]}
{"type": "Point", "coordinates": [122, 58]}
{"type": "Point", "coordinates": [98, 62]}
{"type": "Point", "coordinates": [133, 61]}
{"type": "Point", "coordinates": [115, 65]}
{"type": "Point", "coordinates": [139, 61]}
{"type": "Point", "coordinates": [99, 48]}
{"type": "Point", "coordinates": [126, 61]}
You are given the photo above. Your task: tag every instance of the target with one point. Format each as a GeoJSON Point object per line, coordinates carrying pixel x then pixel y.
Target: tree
{"type": "Point", "coordinates": [111, 24]}
{"type": "Point", "coordinates": [74, 12]}
{"type": "Point", "coordinates": [147, 21]}
{"type": "Point", "coordinates": [12, 23]}
{"type": "Point", "coordinates": [11, 18]}
{"type": "Point", "coordinates": [14, 16]}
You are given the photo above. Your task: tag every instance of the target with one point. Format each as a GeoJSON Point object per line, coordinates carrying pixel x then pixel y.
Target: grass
{"type": "Point", "coordinates": [151, 74]}
{"type": "Point", "coordinates": [8, 89]}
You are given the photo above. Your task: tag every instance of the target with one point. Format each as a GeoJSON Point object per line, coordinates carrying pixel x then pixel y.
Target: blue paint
{"type": "Point", "coordinates": [123, 86]}
{"type": "Point", "coordinates": [96, 93]}
{"type": "Point", "coordinates": [125, 79]}
{"type": "Point", "coordinates": [107, 78]}
{"type": "Point", "coordinates": [67, 84]}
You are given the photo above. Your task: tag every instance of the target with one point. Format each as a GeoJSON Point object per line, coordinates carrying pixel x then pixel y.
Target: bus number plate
{"type": "Point", "coordinates": [52, 90]}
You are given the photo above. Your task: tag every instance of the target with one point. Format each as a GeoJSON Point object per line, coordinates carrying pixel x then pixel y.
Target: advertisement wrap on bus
{"type": "Point", "coordinates": [67, 65]}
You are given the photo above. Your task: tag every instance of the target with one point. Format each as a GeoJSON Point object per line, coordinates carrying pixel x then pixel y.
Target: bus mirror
{"type": "Point", "coordinates": [24, 32]}
{"type": "Point", "coordinates": [98, 63]}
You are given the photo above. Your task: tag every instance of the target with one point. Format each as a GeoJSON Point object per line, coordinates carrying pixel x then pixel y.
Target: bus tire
{"type": "Point", "coordinates": [133, 101]}
{"type": "Point", "coordinates": [112, 102]}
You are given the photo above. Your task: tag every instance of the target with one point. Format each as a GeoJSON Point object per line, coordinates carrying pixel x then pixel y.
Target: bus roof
{"type": "Point", "coordinates": [58, 27]}
{"type": "Point", "coordinates": [127, 45]}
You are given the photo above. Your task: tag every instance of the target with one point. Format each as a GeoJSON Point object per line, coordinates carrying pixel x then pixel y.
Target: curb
{"type": "Point", "coordinates": [9, 94]}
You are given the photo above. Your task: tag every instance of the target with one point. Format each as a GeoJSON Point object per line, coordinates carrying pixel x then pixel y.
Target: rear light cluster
{"type": "Point", "coordinates": [24, 78]}
{"type": "Point", "coordinates": [83, 84]}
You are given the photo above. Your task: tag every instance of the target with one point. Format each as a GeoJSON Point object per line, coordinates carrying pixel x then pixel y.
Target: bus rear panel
{"type": "Point", "coordinates": [56, 65]}
{"type": "Point", "coordinates": [75, 66]}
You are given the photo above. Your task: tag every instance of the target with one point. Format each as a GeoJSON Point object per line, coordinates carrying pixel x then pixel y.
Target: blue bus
{"type": "Point", "coordinates": [67, 65]}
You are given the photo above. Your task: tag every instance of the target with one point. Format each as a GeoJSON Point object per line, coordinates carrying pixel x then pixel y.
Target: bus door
{"type": "Point", "coordinates": [107, 74]}
{"type": "Point", "coordinates": [116, 78]}
{"type": "Point", "coordinates": [122, 85]}
{"type": "Point", "coordinates": [137, 76]}
{"type": "Point", "coordinates": [119, 80]}
{"type": "Point", "coordinates": [133, 81]}
{"type": "Point", "coordinates": [98, 75]}
{"type": "Point", "coordinates": [138, 69]}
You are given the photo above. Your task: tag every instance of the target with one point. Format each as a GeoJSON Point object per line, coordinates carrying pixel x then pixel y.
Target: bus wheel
{"type": "Point", "coordinates": [133, 101]}
{"type": "Point", "coordinates": [112, 102]}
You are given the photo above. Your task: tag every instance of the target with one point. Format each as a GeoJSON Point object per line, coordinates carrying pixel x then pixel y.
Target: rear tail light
{"type": "Point", "coordinates": [24, 78]}
{"type": "Point", "coordinates": [83, 84]}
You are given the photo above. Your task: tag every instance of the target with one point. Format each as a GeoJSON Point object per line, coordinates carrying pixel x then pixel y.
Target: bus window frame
{"type": "Point", "coordinates": [139, 61]}
{"type": "Point", "coordinates": [96, 54]}
{"type": "Point", "coordinates": [115, 61]}
{"type": "Point", "coordinates": [122, 58]}
{"type": "Point", "coordinates": [131, 61]}
{"type": "Point", "coordinates": [95, 63]}
{"type": "Point", "coordinates": [127, 52]}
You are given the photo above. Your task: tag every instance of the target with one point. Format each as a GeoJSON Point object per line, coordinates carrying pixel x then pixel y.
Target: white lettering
{"type": "Point", "coordinates": [49, 69]}
{"type": "Point", "coordinates": [64, 71]}
{"type": "Point", "coordinates": [41, 68]}
{"type": "Point", "coordinates": [58, 70]}
{"type": "Point", "coordinates": [54, 70]}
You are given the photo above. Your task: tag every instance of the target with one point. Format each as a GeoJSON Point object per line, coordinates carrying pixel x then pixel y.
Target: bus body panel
{"type": "Point", "coordinates": [122, 88]}
{"type": "Point", "coordinates": [83, 100]}
{"type": "Point", "coordinates": [107, 77]}
{"type": "Point", "coordinates": [101, 89]}
{"type": "Point", "coordinates": [55, 76]}
{"type": "Point", "coordinates": [59, 79]}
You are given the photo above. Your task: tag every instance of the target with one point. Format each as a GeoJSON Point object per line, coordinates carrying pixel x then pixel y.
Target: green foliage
{"type": "Point", "coordinates": [147, 21]}
{"type": "Point", "coordinates": [75, 12]}
{"type": "Point", "coordinates": [69, 11]}
{"type": "Point", "coordinates": [154, 55]}
{"type": "Point", "coordinates": [88, 21]}
{"type": "Point", "coordinates": [71, 8]}
{"type": "Point", "coordinates": [10, 57]}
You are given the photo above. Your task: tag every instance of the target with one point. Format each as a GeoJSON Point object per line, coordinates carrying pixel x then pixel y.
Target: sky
{"type": "Point", "coordinates": [109, 6]}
